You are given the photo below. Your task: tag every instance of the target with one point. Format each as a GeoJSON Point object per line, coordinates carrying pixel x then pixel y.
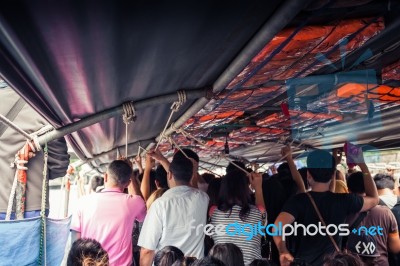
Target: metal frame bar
{"type": "Point", "coordinates": [95, 157]}
{"type": "Point", "coordinates": [115, 111]}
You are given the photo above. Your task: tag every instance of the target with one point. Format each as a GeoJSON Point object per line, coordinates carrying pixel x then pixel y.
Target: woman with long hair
{"type": "Point", "coordinates": [235, 210]}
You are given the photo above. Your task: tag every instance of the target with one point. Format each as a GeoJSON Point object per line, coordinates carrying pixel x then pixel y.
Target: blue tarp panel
{"type": "Point", "coordinates": [20, 241]}
{"type": "Point", "coordinates": [57, 236]}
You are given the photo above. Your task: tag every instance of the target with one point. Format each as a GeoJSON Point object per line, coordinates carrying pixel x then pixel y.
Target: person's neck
{"type": "Point", "coordinates": [385, 191]}
{"type": "Point", "coordinates": [112, 186]}
{"type": "Point", "coordinates": [320, 187]}
{"type": "Point", "coordinates": [179, 184]}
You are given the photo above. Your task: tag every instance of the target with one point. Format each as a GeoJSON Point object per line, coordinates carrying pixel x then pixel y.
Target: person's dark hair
{"type": "Point", "coordinates": [208, 261]}
{"type": "Point", "coordinates": [260, 262]}
{"type": "Point", "coordinates": [234, 191]}
{"type": "Point", "coordinates": [167, 256]}
{"type": "Point", "coordinates": [189, 153]}
{"type": "Point", "coordinates": [355, 183]}
{"type": "Point", "coordinates": [95, 182]}
{"type": "Point", "coordinates": [383, 181]}
{"type": "Point", "coordinates": [283, 169]}
{"type": "Point", "coordinates": [135, 173]}
{"type": "Point", "coordinates": [208, 177]}
{"type": "Point", "coordinates": [140, 177]}
{"type": "Point", "coordinates": [321, 165]}
{"type": "Point", "coordinates": [232, 166]}
{"type": "Point", "coordinates": [161, 177]}
{"type": "Point", "coordinates": [185, 261]}
{"type": "Point", "coordinates": [342, 259]}
{"type": "Point", "coordinates": [228, 253]}
{"type": "Point", "coordinates": [120, 172]}
{"type": "Point", "coordinates": [153, 186]}
{"type": "Point", "coordinates": [286, 179]}
{"type": "Point", "coordinates": [274, 196]}
{"type": "Point", "coordinates": [213, 191]}
{"type": "Point", "coordinates": [181, 169]}
{"type": "Point", "coordinates": [86, 251]}
{"type": "Point", "coordinates": [303, 173]}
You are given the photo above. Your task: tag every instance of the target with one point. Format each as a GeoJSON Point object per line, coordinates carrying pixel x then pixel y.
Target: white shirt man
{"type": "Point", "coordinates": [170, 217]}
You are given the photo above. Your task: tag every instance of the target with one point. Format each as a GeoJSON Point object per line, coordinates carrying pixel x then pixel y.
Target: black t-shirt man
{"type": "Point", "coordinates": [334, 209]}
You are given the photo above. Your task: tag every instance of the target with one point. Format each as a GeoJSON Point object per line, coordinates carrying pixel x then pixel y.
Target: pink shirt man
{"type": "Point", "coordinates": [108, 217]}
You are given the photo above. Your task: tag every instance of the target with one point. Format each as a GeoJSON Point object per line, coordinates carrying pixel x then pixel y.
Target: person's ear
{"type": "Point", "coordinates": [169, 175]}
{"type": "Point", "coordinates": [310, 179]}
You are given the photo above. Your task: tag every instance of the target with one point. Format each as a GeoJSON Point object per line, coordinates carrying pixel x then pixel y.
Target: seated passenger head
{"type": "Point", "coordinates": [185, 261]}
{"type": "Point", "coordinates": [383, 181]}
{"type": "Point", "coordinates": [87, 252]}
{"type": "Point", "coordinates": [161, 177]}
{"type": "Point", "coordinates": [228, 253]}
{"type": "Point", "coordinates": [118, 174]}
{"type": "Point", "coordinates": [342, 259]}
{"type": "Point", "coordinates": [180, 171]}
{"type": "Point", "coordinates": [355, 183]}
{"type": "Point", "coordinates": [235, 191]}
{"type": "Point", "coordinates": [321, 166]}
{"type": "Point", "coordinates": [187, 152]}
{"type": "Point", "coordinates": [208, 261]}
{"type": "Point", "coordinates": [167, 256]}
{"type": "Point", "coordinates": [232, 166]}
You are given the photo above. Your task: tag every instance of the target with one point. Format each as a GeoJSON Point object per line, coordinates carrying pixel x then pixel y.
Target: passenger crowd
{"type": "Point", "coordinates": [166, 213]}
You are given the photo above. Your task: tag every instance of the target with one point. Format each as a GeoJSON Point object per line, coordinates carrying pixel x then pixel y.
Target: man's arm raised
{"type": "Point", "coordinates": [371, 198]}
{"type": "Point", "coordinates": [145, 185]}
{"type": "Point", "coordinates": [287, 151]}
{"type": "Point", "coordinates": [157, 155]}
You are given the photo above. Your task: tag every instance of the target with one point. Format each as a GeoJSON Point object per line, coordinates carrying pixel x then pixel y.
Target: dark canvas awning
{"type": "Point", "coordinates": [73, 59]}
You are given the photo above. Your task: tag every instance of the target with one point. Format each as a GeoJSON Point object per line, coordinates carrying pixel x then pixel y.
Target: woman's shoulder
{"type": "Point", "coordinates": [212, 210]}
{"type": "Point", "coordinates": [257, 210]}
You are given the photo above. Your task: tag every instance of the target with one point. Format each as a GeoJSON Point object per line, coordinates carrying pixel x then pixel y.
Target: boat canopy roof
{"type": "Point", "coordinates": [254, 74]}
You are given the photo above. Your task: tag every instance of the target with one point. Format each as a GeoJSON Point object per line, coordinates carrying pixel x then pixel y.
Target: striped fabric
{"type": "Point", "coordinates": [251, 248]}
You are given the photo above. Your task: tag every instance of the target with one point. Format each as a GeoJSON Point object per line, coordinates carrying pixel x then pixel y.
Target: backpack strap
{"type": "Point", "coordinates": [356, 223]}
{"type": "Point", "coordinates": [322, 221]}
{"type": "Point", "coordinates": [359, 219]}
